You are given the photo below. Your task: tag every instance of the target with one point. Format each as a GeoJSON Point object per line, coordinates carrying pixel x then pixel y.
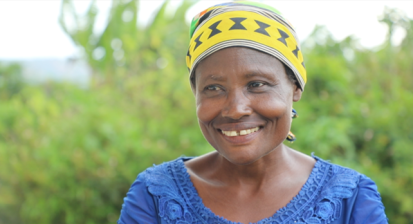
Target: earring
{"type": "Point", "coordinates": [294, 114]}
{"type": "Point", "coordinates": [291, 137]}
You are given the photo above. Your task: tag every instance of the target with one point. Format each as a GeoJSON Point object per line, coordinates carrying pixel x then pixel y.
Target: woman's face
{"type": "Point", "coordinates": [244, 101]}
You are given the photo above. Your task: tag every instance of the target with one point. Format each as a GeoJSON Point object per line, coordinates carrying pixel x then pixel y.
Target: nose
{"type": "Point", "coordinates": [237, 105]}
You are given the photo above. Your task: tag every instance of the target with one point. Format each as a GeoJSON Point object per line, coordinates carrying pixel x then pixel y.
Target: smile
{"type": "Point", "coordinates": [241, 132]}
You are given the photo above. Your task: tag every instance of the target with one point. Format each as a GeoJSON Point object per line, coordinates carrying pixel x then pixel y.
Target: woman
{"type": "Point", "coordinates": [246, 70]}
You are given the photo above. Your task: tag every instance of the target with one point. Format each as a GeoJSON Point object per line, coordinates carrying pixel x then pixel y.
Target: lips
{"type": "Point", "coordinates": [241, 132]}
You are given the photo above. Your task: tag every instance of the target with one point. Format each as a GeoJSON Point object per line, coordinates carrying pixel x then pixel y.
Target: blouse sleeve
{"type": "Point", "coordinates": [368, 207]}
{"type": "Point", "coordinates": [138, 205]}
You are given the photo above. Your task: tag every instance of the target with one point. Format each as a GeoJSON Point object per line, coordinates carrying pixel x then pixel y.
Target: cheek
{"type": "Point", "coordinates": [207, 110]}
{"type": "Point", "coordinates": [273, 106]}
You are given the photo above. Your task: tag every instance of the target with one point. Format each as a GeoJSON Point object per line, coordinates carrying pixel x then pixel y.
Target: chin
{"type": "Point", "coordinates": [242, 156]}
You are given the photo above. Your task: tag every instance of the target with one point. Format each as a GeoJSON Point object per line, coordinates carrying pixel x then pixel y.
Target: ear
{"type": "Point", "coordinates": [193, 85]}
{"type": "Point", "coordinates": [193, 88]}
{"type": "Point", "coordinates": [297, 93]}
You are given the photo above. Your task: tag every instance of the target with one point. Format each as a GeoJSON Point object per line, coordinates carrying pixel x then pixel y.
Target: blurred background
{"type": "Point", "coordinates": [94, 92]}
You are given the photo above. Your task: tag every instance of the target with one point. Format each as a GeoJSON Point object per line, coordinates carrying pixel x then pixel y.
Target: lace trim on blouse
{"type": "Point", "coordinates": [319, 200]}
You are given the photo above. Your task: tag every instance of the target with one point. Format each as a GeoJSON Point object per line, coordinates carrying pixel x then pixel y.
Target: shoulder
{"type": "Point", "coordinates": [161, 179]}
{"type": "Point", "coordinates": [341, 181]}
{"type": "Point", "coordinates": [357, 194]}
{"type": "Point", "coordinates": [140, 204]}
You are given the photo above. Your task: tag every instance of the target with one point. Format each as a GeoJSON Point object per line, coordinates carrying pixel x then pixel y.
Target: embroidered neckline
{"type": "Point", "coordinates": [320, 200]}
{"type": "Point", "coordinates": [307, 194]}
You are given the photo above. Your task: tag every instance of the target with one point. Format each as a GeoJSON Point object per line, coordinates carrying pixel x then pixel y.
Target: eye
{"type": "Point", "coordinates": [255, 84]}
{"type": "Point", "coordinates": [212, 88]}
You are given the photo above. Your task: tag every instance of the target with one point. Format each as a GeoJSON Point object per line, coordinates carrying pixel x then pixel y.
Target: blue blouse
{"type": "Point", "coordinates": [332, 194]}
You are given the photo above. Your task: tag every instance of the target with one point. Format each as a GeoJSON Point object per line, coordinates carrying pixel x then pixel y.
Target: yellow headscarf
{"type": "Point", "coordinates": [245, 24]}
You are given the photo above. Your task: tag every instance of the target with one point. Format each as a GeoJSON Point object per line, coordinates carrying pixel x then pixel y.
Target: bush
{"type": "Point", "coordinates": [69, 155]}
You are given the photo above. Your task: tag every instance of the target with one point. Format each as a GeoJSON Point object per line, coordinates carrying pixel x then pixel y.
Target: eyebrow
{"type": "Point", "coordinates": [215, 77]}
{"type": "Point", "coordinates": [260, 74]}
{"type": "Point", "coordinates": [248, 76]}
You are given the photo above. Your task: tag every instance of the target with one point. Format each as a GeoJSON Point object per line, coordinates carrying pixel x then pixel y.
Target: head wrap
{"type": "Point", "coordinates": [245, 24]}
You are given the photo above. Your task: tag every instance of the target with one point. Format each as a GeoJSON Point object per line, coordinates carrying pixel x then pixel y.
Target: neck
{"type": "Point", "coordinates": [272, 167]}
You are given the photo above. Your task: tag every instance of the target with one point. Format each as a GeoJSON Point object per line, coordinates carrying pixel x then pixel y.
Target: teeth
{"type": "Point", "coordinates": [242, 132]}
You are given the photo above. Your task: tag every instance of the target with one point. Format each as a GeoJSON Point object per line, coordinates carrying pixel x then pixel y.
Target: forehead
{"type": "Point", "coordinates": [241, 60]}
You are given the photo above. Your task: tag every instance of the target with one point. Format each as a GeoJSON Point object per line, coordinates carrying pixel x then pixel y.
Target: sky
{"type": "Point", "coordinates": [29, 29]}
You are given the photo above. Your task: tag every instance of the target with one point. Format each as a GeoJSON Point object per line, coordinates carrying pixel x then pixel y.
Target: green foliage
{"type": "Point", "coordinates": [358, 104]}
{"type": "Point", "coordinates": [10, 79]}
{"type": "Point", "coordinates": [69, 155]}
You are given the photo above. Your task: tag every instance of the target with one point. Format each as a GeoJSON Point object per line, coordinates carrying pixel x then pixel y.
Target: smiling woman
{"type": "Point", "coordinates": [253, 95]}
{"type": "Point", "coordinates": [246, 70]}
